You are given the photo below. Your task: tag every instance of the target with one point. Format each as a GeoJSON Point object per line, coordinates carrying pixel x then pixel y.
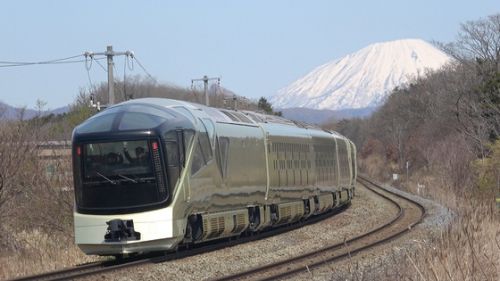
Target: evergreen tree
{"type": "Point", "coordinates": [265, 105]}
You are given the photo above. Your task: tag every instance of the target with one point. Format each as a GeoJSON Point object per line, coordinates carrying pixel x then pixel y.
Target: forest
{"type": "Point", "coordinates": [441, 136]}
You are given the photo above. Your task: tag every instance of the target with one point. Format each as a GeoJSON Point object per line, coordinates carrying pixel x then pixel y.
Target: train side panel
{"type": "Point", "coordinates": [291, 172]}
{"type": "Point", "coordinates": [235, 177]}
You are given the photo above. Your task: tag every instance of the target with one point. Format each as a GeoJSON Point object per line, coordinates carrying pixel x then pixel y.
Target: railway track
{"type": "Point", "coordinates": [398, 225]}
{"type": "Point", "coordinates": [112, 265]}
{"type": "Point", "coordinates": [410, 214]}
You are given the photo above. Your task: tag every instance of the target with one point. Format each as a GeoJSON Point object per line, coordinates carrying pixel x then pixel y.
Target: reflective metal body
{"type": "Point", "coordinates": [239, 171]}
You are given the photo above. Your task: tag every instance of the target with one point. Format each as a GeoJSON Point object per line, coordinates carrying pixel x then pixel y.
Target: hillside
{"type": "Point", "coordinates": [362, 79]}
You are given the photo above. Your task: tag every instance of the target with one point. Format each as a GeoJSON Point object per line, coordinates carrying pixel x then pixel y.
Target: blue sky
{"type": "Point", "coordinates": [257, 47]}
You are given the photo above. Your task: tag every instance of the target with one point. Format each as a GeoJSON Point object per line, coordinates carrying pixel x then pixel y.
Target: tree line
{"type": "Point", "coordinates": [446, 121]}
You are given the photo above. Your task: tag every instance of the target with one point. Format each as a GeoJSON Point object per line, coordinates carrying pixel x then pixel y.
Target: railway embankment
{"type": "Point", "coordinates": [385, 262]}
{"type": "Point", "coordinates": [368, 210]}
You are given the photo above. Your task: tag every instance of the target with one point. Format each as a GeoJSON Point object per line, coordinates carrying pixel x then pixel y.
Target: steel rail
{"type": "Point", "coordinates": [302, 261]}
{"type": "Point", "coordinates": [106, 266]}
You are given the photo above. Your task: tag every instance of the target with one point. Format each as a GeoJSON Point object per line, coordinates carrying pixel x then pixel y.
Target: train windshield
{"type": "Point", "coordinates": [121, 174]}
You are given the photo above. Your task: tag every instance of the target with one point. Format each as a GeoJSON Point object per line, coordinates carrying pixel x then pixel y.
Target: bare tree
{"type": "Point", "coordinates": [479, 42]}
{"type": "Point", "coordinates": [16, 149]}
{"type": "Point", "coordinates": [477, 48]}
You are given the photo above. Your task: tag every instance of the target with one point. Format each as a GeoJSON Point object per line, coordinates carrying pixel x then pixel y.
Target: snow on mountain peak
{"type": "Point", "coordinates": [364, 78]}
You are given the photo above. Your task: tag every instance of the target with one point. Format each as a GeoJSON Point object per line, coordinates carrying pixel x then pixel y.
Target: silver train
{"type": "Point", "coordinates": [152, 174]}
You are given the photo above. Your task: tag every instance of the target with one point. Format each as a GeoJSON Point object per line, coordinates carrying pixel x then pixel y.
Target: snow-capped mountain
{"type": "Point", "coordinates": [362, 79]}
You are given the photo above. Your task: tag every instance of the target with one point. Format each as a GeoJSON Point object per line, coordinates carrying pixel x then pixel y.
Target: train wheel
{"type": "Point", "coordinates": [195, 227]}
{"type": "Point", "coordinates": [119, 257]}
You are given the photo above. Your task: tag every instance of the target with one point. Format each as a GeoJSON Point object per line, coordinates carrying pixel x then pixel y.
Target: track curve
{"type": "Point", "coordinates": [400, 224]}
{"type": "Point", "coordinates": [112, 265]}
{"type": "Point", "coordinates": [280, 269]}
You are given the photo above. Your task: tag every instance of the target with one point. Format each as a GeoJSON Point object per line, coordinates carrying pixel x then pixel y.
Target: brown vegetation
{"type": "Point", "coordinates": [138, 87]}
{"type": "Point", "coordinates": [446, 128]}
{"type": "Point", "coordinates": [36, 203]}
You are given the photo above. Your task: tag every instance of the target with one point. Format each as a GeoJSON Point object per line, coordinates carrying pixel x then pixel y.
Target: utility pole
{"type": "Point", "coordinates": [111, 82]}
{"type": "Point", "coordinates": [111, 79]}
{"type": "Point", "coordinates": [205, 80]}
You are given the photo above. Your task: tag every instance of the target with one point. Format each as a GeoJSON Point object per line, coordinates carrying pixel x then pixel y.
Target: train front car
{"type": "Point", "coordinates": [127, 160]}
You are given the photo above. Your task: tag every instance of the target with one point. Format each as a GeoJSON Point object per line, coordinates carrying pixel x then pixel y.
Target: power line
{"type": "Point", "coordinates": [88, 59]}
{"type": "Point", "coordinates": [88, 66]}
{"type": "Point", "coordinates": [68, 60]}
{"type": "Point", "coordinates": [125, 78]}
{"type": "Point", "coordinates": [143, 68]}
{"type": "Point", "coordinates": [53, 61]}
{"type": "Point", "coordinates": [103, 68]}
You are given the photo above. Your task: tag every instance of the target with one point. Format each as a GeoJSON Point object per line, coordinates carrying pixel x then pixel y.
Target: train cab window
{"type": "Point", "coordinates": [95, 125]}
{"type": "Point", "coordinates": [124, 118]}
{"type": "Point", "coordinates": [136, 120]}
{"type": "Point", "coordinates": [120, 175]}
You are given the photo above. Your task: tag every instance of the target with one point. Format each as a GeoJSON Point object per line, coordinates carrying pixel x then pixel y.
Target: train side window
{"type": "Point", "coordinates": [223, 154]}
{"type": "Point", "coordinates": [181, 148]}
{"type": "Point", "coordinates": [174, 162]}
{"type": "Point", "coordinates": [184, 111]}
{"type": "Point", "coordinates": [203, 151]}
{"type": "Point", "coordinates": [209, 125]}
{"type": "Point", "coordinates": [198, 159]}
{"type": "Point", "coordinates": [204, 140]}
{"type": "Point", "coordinates": [173, 159]}
{"type": "Point", "coordinates": [242, 117]}
{"type": "Point", "coordinates": [188, 138]}
{"type": "Point", "coordinates": [231, 116]}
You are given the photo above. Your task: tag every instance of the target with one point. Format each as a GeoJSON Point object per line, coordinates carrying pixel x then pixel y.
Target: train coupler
{"type": "Point", "coordinates": [121, 230]}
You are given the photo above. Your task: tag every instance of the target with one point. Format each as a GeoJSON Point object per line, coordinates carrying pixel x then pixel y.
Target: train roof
{"type": "Point", "coordinates": [223, 115]}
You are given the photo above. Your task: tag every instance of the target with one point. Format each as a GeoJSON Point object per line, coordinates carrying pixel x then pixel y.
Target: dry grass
{"type": "Point", "coordinates": [37, 235]}
{"type": "Point", "coordinates": [37, 252]}
{"type": "Point", "coordinates": [466, 249]}
{"type": "Point", "coordinates": [36, 205]}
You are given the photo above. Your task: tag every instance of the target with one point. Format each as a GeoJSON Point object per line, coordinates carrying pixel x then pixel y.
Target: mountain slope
{"type": "Point", "coordinates": [8, 112]}
{"type": "Point", "coordinates": [362, 79]}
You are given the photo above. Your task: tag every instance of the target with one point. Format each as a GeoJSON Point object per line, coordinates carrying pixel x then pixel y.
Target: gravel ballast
{"type": "Point", "coordinates": [372, 264]}
{"type": "Point", "coordinates": [366, 212]}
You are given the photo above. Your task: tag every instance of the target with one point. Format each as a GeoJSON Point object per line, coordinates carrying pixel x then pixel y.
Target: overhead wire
{"type": "Point", "coordinates": [88, 59]}
{"type": "Point", "coordinates": [127, 63]}
{"type": "Point", "coordinates": [53, 61]}
{"type": "Point", "coordinates": [130, 62]}
{"type": "Point", "coordinates": [69, 60]}
{"type": "Point", "coordinates": [144, 69]}
{"type": "Point", "coordinates": [103, 68]}
{"type": "Point", "coordinates": [88, 66]}
{"type": "Point", "coordinates": [125, 78]}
